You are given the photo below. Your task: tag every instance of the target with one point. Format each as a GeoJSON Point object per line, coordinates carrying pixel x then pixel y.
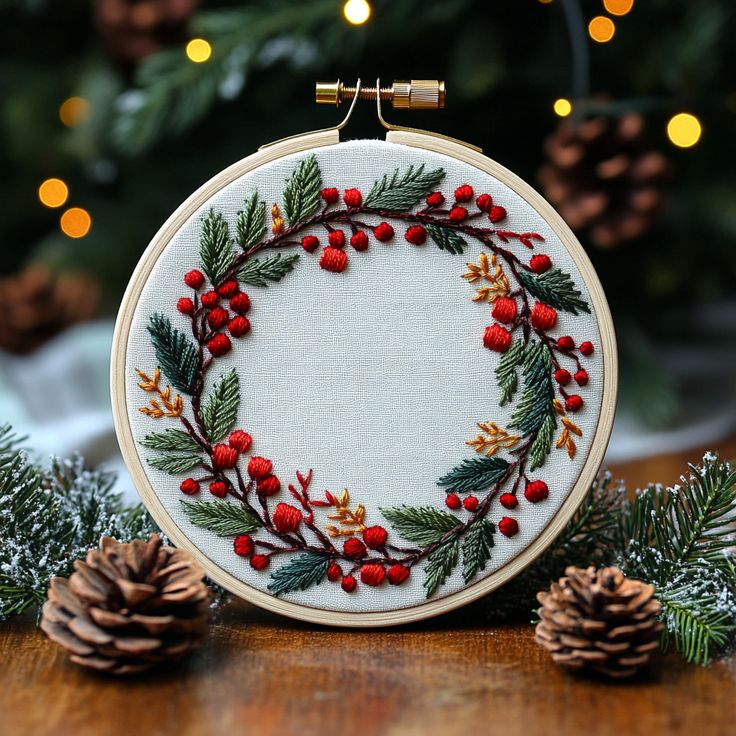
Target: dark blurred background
{"type": "Point", "coordinates": [621, 113]}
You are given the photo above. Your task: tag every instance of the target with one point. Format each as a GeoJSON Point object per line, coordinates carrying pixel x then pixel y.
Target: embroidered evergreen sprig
{"type": "Point", "coordinates": [259, 271]}
{"type": "Point", "coordinates": [556, 288]}
{"type": "Point", "coordinates": [215, 249]}
{"type": "Point", "coordinates": [475, 474]}
{"type": "Point", "coordinates": [440, 564]}
{"type": "Point", "coordinates": [170, 440]}
{"type": "Point", "coordinates": [224, 518]}
{"type": "Point", "coordinates": [299, 573]}
{"type": "Point", "coordinates": [220, 409]}
{"type": "Point", "coordinates": [424, 525]}
{"type": "Point", "coordinates": [250, 222]}
{"type": "Point", "coordinates": [506, 371]}
{"type": "Point", "coordinates": [401, 192]}
{"type": "Point", "coordinates": [175, 353]}
{"type": "Point", "coordinates": [174, 463]}
{"type": "Point", "coordinates": [477, 545]}
{"type": "Point", "coordinates": [301, 194]}
{"type": "Point", "coordinates": [447, 239]}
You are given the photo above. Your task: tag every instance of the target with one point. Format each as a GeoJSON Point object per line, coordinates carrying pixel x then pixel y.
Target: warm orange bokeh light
{"type": "Point", "coordinates": [601, 29]}
{"type": "Point", "coordinates": [53, 192]}
{"type": "Point", "coordinates": [75, 222]}
{"type": "Point", "coordinates": [73, 111]}
{"type": "Point", "coordinates": [618, 7]}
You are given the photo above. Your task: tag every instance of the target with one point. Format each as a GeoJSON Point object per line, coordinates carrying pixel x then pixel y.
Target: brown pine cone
{"type": "Point", "coordinates": [602, 179]}
{"type": "Point", "coordinates": [599, 620]}
{"type": "Point", "coordinates": [35, 306]}
{"type": "Point", "coordinates": [128, 606]}
{"type": "Point", "coordinates": [133, 29]}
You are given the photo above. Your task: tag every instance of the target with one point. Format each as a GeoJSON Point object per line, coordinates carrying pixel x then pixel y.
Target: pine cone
{"type": "Point", "coordinates": [128, 606]}
{"type": "Point", "coordinates": [35, 306]}
{"type": "Point", "coordinates": [599, 620]}
{"type": "Point", "coordinates": [602, 179]}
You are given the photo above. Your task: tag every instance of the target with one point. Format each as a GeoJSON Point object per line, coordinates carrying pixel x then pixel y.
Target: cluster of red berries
{"type": "Point", "coordinates": [565, 344]}
{"type": "Point", "coordinates": [454, 502]}
{"type": "Point", "coordinates": [217, 316]}
{"type": "Point", "coordinates": [463, 195]}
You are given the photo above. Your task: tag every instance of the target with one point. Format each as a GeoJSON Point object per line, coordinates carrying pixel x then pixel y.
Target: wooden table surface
{"type": "Point", "coordinates": [261, 674]}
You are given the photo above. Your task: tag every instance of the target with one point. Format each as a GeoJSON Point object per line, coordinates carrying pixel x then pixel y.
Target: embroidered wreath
{"type": "Point", "coordinates": [327, 537]}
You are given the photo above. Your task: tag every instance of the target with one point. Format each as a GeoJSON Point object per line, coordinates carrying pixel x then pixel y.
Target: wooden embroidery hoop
{"type": "Point", "coordinates": [309, 141]}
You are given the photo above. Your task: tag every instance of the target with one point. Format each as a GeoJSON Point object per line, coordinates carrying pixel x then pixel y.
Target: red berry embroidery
{"type": "Point", "coordinates": [458, 214]}
{"type": "Point", "coordinates": [464, 193]}
{"type": "Point", "coordinates": [586, 348]}
{"type": "Point", "coordinates": [352, 197]}
{"type": "Point", "coordinates": [372, 574]}
{"type": "Point", "coordinates": [259, 467]}
{"type": "Point", "coordinates": [416, 235]}
{"type": "Point", "coordinates": [397, 574]}
{"type": "Point", "coordinates": [217, 318]}
{"type": "Point", "coordinates": [543, 317]}
{"type": "Point", "coordinates": [497, 213]}
{"type": "Point", "coordinates": [210, 299]}
{"type": "Point", "coordinates": [508, 501]}
{"type": "Point", "coordinates": [540, 263]}
{"type": "Point", "coordinates": [224, 457]}
{"type": "Point", "coordinates": [239, 326]}
{"type": "Point", "coordinates": [336, 238]}
{"type": "Point", "coordinates": [310, 243]}
{"type": "Point", "coordinates": [334, 260]}
{"type": "Point", "coordinates": [470, 503]}
{"type": "Point", "coordinates": [286, 518]}
{"type": "Point", "coordinates": [243, 545]}
{"type": "Point", "coordinates": [334, 572]}
{"type": "Point", "coordinates": [185, 305]}
{"type": "Point", "coordinates": [259, 562]}
{"type": "Point", "coordinates": [504, 309]}
{"type": "Point", "coordinates": [484, 202]}
{"type": "Point", "coordinates": [508, 526]}
{"type": "Point", "coordinates": [565, 343]}
{"type": "Point", "coordinates": [189, 486]}
{"type": "Point", "coordinates": [330, 195]}
{"type": "Point", "coordinates": [353, 548]}
{"type": "Point", "coordinates": [240, 303]}
{"type": "Point", "coordinates": [269, 486]}
{"type": "Point", "coordinates": [574, 403]}
{"type": "Point", "coordinates": [497, 338]}
{"type": "Point", "coordinates": [219, 345]}
{"type": "Point", "coordinates": [581, 377]}
{"type": "Point", "coordinates": [375, 537]}
{"type": "Point", "coordinates": [194, 279]}
{"type": "Point", "coordinates": [383, 232]}
{"type": "Point", "coordinates": [453, 501]}
{"type": "Point", "coordinates": [348, 583]}
{"type": "Point", "coordinates": [228, 289]}
{"type": "Point", "coordinates": [218, 489]}
{"type": "Point", "coordinates": [562, 376]}
{"type": "Point", "coordinates": [536, 491]}
{"type": "Point", "coordinates": [240, 440]}
{"type": "Point", "coordinates": [359, 241]}
{"type": "Point", "coordinates": [435, 199]}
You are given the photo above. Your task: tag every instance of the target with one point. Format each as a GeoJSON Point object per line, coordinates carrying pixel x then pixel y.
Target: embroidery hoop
{"type": "Point", "coordinates": [415, 139]}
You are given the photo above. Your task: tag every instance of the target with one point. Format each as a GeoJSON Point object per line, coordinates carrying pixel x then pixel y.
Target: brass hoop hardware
{"type": "Point", "coordinates": [416, 94]}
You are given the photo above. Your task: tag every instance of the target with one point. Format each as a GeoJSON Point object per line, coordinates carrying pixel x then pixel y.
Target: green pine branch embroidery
{"type": "Point", "coordinates": [250, 222]}
{"type": "Point", "coordinates": [258, 272]}
{"type": "Point", "coordinates": [535, 404]}
{"type": "Point", "coordinates": [542, 445]}
{"type": "Point", "coordinates": [446, 239]}
{"type": "Point", "coordinates": [224, 518]}
{"type": "Point", "coordinates": [215, 249]}
{"type": "Point", "coordinates": [175, 353]}
{"type": "Point", "coordinates": [301, 194]}
{"type": "Point", "coordinates": [555, 288]}
{"type": "Point", "coordinates": [475, 474]}
{"type": "Point", "coordinates": [220, 410]}
{"type": "Point", "coordinates": [506, 373]}
{"type": "Point", "coordinates": [401, 193]}
{"type": "Point", "coordinates": [424, 525]}
{"type": "Point", "coordinates": [477, 545]}
{"type": "Point", "coordinates": [440, 565]}
{"type": "Point", "coordinates": [175, 463]}
{"type": "Point", "coordinates": [170, 440]}
{"type": "Point", "coordinates": [300, 573]}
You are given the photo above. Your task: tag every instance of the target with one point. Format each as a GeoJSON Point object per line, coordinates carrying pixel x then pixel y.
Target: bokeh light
{"type": "Point", "coordinates": [198, 50]}
{"type": "Point", "coordinates": [53, 192]}
{"type": "Point", "coordinates": [356, 12]}
{"type": "Point", "coordinates": [601, 29]}
{"type": "Point", "coordinates": [684, 129]}
{"type": "Point", "coordinates": [618, 7]}
{"type": "Point", "coordinates": [73, 111]}
{"type": "Point", "coordinates": [75, 222]}
{"type": "Point", "coordinates": [562, 107]}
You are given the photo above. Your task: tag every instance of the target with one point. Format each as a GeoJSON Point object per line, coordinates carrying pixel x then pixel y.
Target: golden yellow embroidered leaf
{"type": "Point", "coordinates": [492, 438]}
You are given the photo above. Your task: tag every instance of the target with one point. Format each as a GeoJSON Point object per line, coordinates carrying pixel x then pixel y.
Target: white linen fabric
{"type": "Point", "coordinates": [374, 377]}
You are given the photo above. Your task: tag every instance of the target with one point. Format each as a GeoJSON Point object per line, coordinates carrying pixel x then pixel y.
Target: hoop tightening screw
{"type": "Point", "coordinates": [417, 94]}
